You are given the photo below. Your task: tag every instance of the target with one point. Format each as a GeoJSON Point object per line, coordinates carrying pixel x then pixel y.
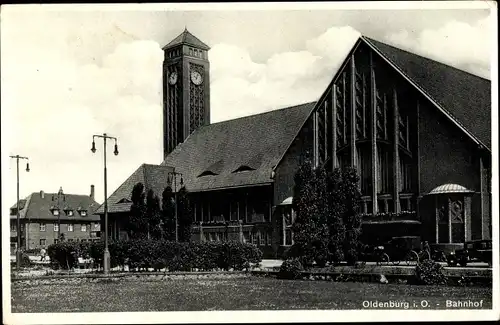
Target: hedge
{"type": "Point", "coordinates": [159, 254]}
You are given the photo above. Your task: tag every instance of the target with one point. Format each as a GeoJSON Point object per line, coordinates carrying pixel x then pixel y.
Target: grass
{"type": "Point", "coordinates": [248, 293]}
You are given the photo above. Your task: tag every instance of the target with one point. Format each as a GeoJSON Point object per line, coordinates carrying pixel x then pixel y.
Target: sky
{"type": "Point", "coordinates": [67, 74]}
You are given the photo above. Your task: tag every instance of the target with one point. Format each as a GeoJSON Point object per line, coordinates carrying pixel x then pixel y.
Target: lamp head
{"type": "Point", "coordinates": [27, 166]}
{"type": "Point", "coordinates": [116, 150]}
{"type": "Point", "coordinates": [93, 147]}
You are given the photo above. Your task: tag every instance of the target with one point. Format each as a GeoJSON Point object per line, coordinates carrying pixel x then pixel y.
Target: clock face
{"type": "Point", "coordinates": [196, 78]}
{"type": "Point", "coordinates": [172, 79]}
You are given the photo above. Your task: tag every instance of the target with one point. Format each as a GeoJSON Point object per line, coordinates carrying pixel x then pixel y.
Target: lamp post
{"type": "Point", "coordinates": [173, 175]}
{"type": "Point", "coordinates": [18, 250]}
{"type": "Point", "coordinates": [104, 136]}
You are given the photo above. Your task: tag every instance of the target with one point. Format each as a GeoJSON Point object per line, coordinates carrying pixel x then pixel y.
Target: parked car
{"type": "Point", "coordinates": [473, 251]}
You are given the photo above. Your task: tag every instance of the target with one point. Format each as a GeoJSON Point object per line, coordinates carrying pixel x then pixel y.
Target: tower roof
{"type": "Point", "coordinates": [188, 39]}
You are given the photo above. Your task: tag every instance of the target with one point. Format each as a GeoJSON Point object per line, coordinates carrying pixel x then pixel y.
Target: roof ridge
{"type": "Point", "coordinates": [179, 146]}
{"type": "Point", "coordinates": [113, 193]}
{"type": "Point", "coordinates": [420, 88]}
{"type": "Point", "coordinates": [263, 113]}
{"type": "Point", "coordinates": [369, 39]}
{"type": "Point", "coordinates": [26, 205]}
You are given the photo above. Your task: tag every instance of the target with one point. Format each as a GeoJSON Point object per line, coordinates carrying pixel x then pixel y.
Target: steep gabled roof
{"type": "Point", "coordinates": [219, 149]}
{"type": "Point", "coordinates": [465, 97]}
{"type": "Point", "coordinates": [38, 207]}
{"type": "Point", "coordinates": [151, 176]}
{"type": "Point", "coordinates": [188, 39]}
{"type": "Point", "coordinates": [22, 204]}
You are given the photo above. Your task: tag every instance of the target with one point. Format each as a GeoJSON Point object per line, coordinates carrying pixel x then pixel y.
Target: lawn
{"type": "Point", "coordinates": [247, 293]}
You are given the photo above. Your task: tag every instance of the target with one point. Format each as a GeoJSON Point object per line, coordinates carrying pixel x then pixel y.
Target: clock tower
{"type": "Point", "coordinates": [186, 89]}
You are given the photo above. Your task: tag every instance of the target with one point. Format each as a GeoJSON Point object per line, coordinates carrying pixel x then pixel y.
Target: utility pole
{"type": "Point", "coordinates": [18, 250]}
{"type": "Point", "coordinates": [104, 136]}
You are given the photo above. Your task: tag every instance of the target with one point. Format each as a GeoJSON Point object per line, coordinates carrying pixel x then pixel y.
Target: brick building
{"type": "Point", "coordinates": [44, 216]}
{"type": "Point", "coordinates": [418, 132]}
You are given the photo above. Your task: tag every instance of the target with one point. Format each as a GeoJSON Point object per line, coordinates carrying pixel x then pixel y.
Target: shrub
{"type": "Point", "coordinates": [429, 272]}
{"type": "Point", "coordinates": [64, 254]}
{"type": "Point", "coordinates": [291, 269]}
{"type": "Point", "coordinates": [33, 251]}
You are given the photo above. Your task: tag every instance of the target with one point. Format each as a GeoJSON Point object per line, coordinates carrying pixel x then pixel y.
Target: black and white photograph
{"type": "Point", "coordinates": [249, 162]}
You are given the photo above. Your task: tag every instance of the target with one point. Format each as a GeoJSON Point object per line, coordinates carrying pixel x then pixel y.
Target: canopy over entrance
{"type": "Point", "coordinates": [449, 189]}
{"type": "Point", "coordinates": [287, 201]}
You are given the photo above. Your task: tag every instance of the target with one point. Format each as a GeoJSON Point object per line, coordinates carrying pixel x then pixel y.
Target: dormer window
{"type": "Point", "coordinates": [207, 173]}
{"type": "Point", "coordinates": [124, 200]}
{"type": "Point", "coordinates": [83, 213]}
{"type": "Point", "coordinates": [55, 212]}
{"type": "Point", "coordinates": [243, 168]}
{"type": "Point", "coordinates": [69, 213]}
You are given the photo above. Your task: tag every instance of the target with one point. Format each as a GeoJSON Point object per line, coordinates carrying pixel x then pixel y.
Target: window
{"type": "Point", "coordinates": [70, 213]}
{"type": "Point", "coordinates": [83, 228]}
{"type": "Point", "coordinates": [268, 239]}
{"type": "Point", "coordinates": [97, 226]}
{"type": "Point", "coordinates": [383, 170]}
{"type": "Point", "coordinates": [364, 169]}
{"type": "Point", "coordinates": [42, 227]}
{"type": "Point", "coordinates": [405, 174]}
{"type": "Point", "coordinates": [13, 227]}
{"type": "Point", "coordinates": [56, 212]}
{"type": "Point", "coordinates": [207, 173]}
{"type": "Point", "coordinates": [43, 242]}
{"type": "Point", "coordinates": [83, 213]}
{"type": "Point", "coordinates": [243, 168]}
{"type": "Point", "coordinates": [70, 227]}
{"type": "Point", "coordinates": [56, 227]}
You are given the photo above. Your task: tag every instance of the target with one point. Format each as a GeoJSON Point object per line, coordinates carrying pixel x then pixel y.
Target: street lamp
{"type": "Point", "coordinates": [104, 136]}
{"type": "Point", "coordinates": [18, 251]}
{"type": "Point", "coordinates": [173, 175]}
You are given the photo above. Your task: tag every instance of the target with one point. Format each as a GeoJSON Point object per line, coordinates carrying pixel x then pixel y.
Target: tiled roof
{"type": "Point", "coordinates": [151, 176]}
{"type": "Point", "coordinates": [189, 39]}
{"type": "Point", "coordinates": [40, 208]}
{"type": "Point", "coordinates": [22, 203]}
{"type": "Point", "coordinates": [256, 141]}
{"type": "Point", "coordinates": [464, 96]}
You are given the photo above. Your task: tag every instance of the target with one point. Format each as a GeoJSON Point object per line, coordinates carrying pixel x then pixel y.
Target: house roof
{"type": "Point", "coordinates": [188, 39]}
{"type": "Point", "coordinates": [22, 203]}
{"type": "Point", "coordinates": [218, 150]}
{"type": "Point", "coordinates": [153, 177]}
{"type": "Point", "coordinates": [38, 207]}
{"type": "Point", "coordinates": [463, 96]}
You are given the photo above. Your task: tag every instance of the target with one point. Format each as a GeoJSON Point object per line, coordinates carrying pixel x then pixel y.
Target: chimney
{"type": "Point", "coordinates": [42, 194]}
{"type": "Point", "coordinates": [92, 191]}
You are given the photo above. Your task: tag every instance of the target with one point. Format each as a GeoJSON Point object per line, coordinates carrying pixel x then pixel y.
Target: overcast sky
{"type": "Point", "coordinates": [66, 75]}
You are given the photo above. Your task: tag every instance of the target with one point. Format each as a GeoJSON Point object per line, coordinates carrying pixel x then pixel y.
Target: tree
{"type": "Point", "coordinates": [184, 215]}
{"type": "Point", "coordinates": [328, 224]}
{"type": "Point", "coordinates": [311, 225]}
{"type": "Point", "coordinates": [168, 214]}
{"type": "Point", "coordinates": [351, 215]}
{"type": "Point", "coordinates": [137, 223]}
{"type": "Point", "coordinates": [153, 215]}
{"type": "Point", "coordinates": [336, 225]}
